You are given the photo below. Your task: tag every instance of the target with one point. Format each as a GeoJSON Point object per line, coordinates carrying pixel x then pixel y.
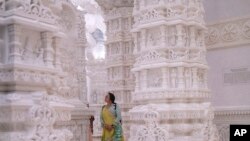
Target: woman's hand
{"type": "Point", "coordinates": [108, 127]}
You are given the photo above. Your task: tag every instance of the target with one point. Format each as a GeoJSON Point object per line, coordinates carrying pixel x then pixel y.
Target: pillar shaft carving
{"type": "Point", "coordinates": [119, 52]}
{"type": "Point", "coordinates": [171, 73]}
{"type": "Point", "coordinates": [119, 47]}
{"type": "Point", "coordinates": [57, 45]}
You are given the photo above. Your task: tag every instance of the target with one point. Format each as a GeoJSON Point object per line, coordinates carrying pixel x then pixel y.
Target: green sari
{"type": "Point", "coordinates": [111, 116]}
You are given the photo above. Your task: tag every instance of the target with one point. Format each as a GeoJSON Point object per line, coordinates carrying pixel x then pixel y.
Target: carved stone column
{"type": "Point", "coordinates": [119, 55]}
{"type": "Point", "coordinates": [171, 45]}
{"type": "Point", "coordinates": [81, 45]}
{"type": "Point", "coordinates": [57, 45]}
{"type": "Point", "coordinates": [80, 124]}
{"type": "Point", "coordinates": [49, 51]}
{"type": "Point", "coordinates": [119, 47]}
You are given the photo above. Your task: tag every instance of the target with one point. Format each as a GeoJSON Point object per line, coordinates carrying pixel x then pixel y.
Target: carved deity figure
{"type": "Point", "coordinates": [126, 24]}
{"type": "Point", "coordinates": [150, 40]}
{"type": "Point", "coordinates": [154, 78]}
{"type": "Point", "coordinates": [173, 78]}
{"type": "Point", "coordinates": [115, 25]}
{"type": "Point", "coordinates": [172, 38]}
{"type": "Point", "coordinates": [187, 78]}
{"type": "Point", "coordinates": [39, 57]}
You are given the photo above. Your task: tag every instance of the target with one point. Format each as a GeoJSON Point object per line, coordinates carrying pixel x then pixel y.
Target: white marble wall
{"type": "Point", "coordinates": [228, 46]}
{"type": "Point", "coordinates": [235, 90]}
{"type": "Point", "coordinates": [218, 10]}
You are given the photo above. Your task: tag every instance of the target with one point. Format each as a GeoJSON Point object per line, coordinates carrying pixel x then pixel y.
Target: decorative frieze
{"type": "Point", "coordinates": [228, 33]}
{"type": "Point", "coordinates": [232, 115]}
{"type": "Point", "coordinates": [29, 75]}
{"type": "Point", "coordinates": [171, 93]}
{"type": "Point", "coordinates": [226, 116]}
{"type": "Point", "coordinates": [192, 111]}
{"type": "Point", "coordinates": [29, 9]}
{"type": "Point", "coordinates": [166, 12]}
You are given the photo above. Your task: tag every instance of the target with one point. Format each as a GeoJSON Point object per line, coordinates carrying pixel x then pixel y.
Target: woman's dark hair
{"type": "Point", "coordinates": [111, 97]}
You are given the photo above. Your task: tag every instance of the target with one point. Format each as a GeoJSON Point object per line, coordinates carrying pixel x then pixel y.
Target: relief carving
{"type": "Point", "coordinates": [32, 51]}
{"type": "Point", "coordinates": [246, 29]}
{"type": "Point", "coordinates": [233, 32]}
{"type": "Point", "coordinates": [230, 32]}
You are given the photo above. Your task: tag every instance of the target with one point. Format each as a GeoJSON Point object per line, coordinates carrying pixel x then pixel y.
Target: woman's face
{"type": "Point", "coordinates": [107, 99]}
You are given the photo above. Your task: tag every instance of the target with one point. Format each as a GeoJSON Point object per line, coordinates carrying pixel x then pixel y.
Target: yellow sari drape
{"type": "Point", "coordinates": [109, 119]}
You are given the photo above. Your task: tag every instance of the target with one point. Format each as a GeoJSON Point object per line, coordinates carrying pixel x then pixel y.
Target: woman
{"type": "Point", "coordinates": [111, 120]}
